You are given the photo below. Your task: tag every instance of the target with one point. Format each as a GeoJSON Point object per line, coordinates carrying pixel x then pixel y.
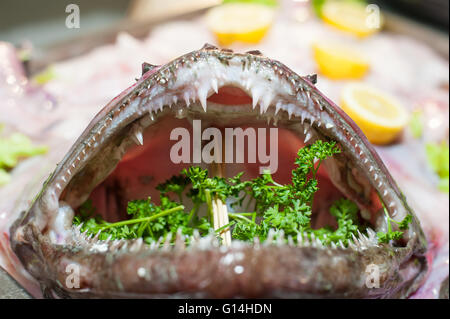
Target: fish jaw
{"type": "Point", "coordinates": [46, 243]}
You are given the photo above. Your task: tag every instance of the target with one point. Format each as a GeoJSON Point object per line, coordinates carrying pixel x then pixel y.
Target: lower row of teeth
{"type": "Point", "coordinates": [94, 244]}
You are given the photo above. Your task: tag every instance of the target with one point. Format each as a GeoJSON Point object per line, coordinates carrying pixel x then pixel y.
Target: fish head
{"type": "Point", "coordinates": [125, 152]}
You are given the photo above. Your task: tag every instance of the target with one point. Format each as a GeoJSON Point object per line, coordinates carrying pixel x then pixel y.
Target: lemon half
{"type": "Point", "coordinates": [243, 22]}
{"type": "Point", "coordinates": [339, 62]}
{"type": "Point", "coordinates": [380, 116]}
{"type": "Point", "coordinates": [355, 18]}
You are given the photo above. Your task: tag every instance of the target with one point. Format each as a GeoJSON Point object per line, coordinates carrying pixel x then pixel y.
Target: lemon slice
{"type": "Point", "coordinates": [339, 62]}
{"type": "Point", "coordinates": [351, 17]}
{"type": "Point", "coordinates": [244, 22]}
{"type": "Point", "coordinates": [380, 116]}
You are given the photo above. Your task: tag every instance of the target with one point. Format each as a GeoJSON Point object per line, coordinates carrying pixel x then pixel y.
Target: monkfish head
{"type": "Point", "coordinates": [125, 152]}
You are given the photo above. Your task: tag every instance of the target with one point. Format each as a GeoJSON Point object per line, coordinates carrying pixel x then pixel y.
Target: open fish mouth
{"type": "Point", "coordinates": [124, 153]}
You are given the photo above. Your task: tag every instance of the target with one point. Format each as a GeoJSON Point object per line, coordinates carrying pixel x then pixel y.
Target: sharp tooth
{"type": "Point", "coordinates": [256, 95]}
{"type": "Point", "coordinates": [124, 244]}
{"type": "Point", "coordinates": [306, 129]}
{"type": "Point", "coordinates": [97, 235]}
{"type": "Point", "coordinates": [385, 192]}
{"type": "Point", "coordinates": [290, 110]}
{"type": "Point", "coordinates": [196, 235]}
{"type": "Point", "coordinates": [329, 125]}
{"type": "Point", "coordinates": [138, 138]}
{"type": "Point", "coordinates": [280, 239]}
{"type": "Point", "coordinates": [299, 239]}
{"type": "Point", "coordinates": [186, 99]}
{"type": "Point", "coordinates": [166, 245]}
{"type": "Point", "coordinates": [341, 244]}
{"type": "Point", "coordinates": [356, 241]}
{"type": "Point", "coordinates": [179, 241]}
{"type": "Point", "coordinates": [372, 234]}
{"type": "Point", "coordinates": [248, 84]}
{"type": "Point", "coordinates": [214, 85]}
{"type": "Point", "coordinates": [202, 93]}
{"type": "Point", "coordinates": [308, 137]}
{"type": "Point", "coordinates": [351, 244]}
{"type": "Point", "coordinates": [137, 244]}
{"type": "Point", "coordinates": [313, 240]}
{"type": "Point", "coordinates": [270, 236]}
{"type": "Point", "coordinates": [266, 102]}
{"type": "Point", "coordinates": [319, 104]}
{"type": "Point", "coordinates": [290, 241]}
{"type": "Point", "coordinates": [175, 99]}
{"type": "Point", "coordinates": [80, 226]}
{"type": "Point", "coordinates": [277, 107]}
{"type": "Point", "coordinates": [306, 241]}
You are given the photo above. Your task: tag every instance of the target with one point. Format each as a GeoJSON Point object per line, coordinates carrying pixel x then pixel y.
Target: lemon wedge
{"type": "Point", "coordinates": [339, 62]}
{"type": "Point", "coordinates": [352, 17]}
{"type": "Point", "coordinates": [380, 116]}
{"type": "Point", "coordinates": [243, 22]}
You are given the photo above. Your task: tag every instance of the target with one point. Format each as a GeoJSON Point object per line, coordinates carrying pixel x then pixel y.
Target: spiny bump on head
{"type": "Point", "coordinates": [312, 78]}
{"type": "Point", "coordinates": [254, 52]}
{"type": "Point", "coordinates": [208, 46]}
{"type": "Point", "coordinates": [147, 67]}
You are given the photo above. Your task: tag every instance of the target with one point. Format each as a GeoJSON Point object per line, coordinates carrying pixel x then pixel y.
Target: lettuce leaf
{"type": "Point", "coordinates": [438, 158]}
{"type": "Point", "coordinates": [12, 149]}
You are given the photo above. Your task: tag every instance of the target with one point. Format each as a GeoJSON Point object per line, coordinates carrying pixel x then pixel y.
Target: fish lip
{"type": "Point", "coordinates": [29, 230]}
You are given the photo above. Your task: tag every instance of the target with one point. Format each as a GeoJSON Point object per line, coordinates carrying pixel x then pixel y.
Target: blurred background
{"type": "Point", "coordinates": [39, 22]}
{"type": "Point", "coordinates": [80, 54]}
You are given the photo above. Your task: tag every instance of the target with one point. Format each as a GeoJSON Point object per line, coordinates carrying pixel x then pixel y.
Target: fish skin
{"type": "Point", "coordinates": [46, 261]}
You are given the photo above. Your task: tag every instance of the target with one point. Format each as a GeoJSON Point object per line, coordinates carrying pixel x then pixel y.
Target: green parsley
{"type": "Point", "coordinates": [266, 205]}
{"type": "Point", "coordinates": [391, 234]}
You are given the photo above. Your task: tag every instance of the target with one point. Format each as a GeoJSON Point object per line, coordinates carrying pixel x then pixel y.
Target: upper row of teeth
{"type": "Point", "coordinates": [141, 104]}
{"type": "Point", "coordinates": [94, 244]}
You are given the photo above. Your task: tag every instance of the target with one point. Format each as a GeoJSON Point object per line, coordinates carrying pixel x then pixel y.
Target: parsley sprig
{"type": "Point", "coordinates": [393, 234]}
